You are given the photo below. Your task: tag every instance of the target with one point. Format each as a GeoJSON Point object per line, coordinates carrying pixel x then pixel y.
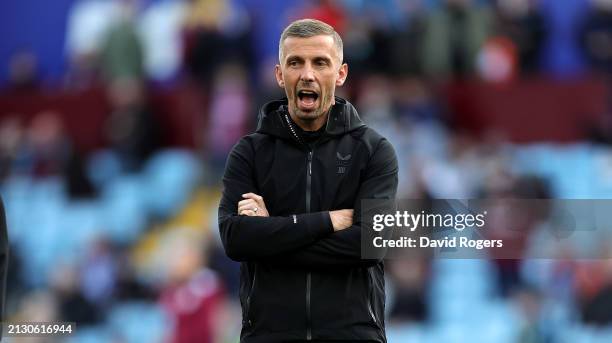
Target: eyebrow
{"type": "Point", "coordinates": [294, 58]}
{"type": "Point", "coordinates": [322, 58]}
{"type": "Point", "coordinates": [315, 59]}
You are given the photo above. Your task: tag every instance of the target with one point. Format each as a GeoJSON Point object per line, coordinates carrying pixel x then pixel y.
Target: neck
{"type": "Point", "coordinates": [310, 125]}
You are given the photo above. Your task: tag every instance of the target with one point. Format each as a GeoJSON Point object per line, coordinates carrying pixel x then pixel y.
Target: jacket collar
{"type": "Point", "coordinates": [343, 118]}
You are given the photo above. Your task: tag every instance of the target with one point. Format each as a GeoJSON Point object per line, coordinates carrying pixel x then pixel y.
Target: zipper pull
{"type": "Point", "coordinates": [310, 163]}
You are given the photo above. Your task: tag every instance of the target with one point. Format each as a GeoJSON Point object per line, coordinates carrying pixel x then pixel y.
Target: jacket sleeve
{"type": "Point", "coordinates": [248, 238]}
{"type": "Point", "coordinates": [343, 248]}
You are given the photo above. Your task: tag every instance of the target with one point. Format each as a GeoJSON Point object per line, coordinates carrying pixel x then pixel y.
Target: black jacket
{"type": "Point", "coordinates": [300, 280]}
{"type": "Point", "coordinates": [4, 259]}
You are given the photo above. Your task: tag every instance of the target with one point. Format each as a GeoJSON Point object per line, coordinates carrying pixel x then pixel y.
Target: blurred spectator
{"type": "Point", "coordinates": [358, 48]}
{"type": "Point", "coordinates": [495, 181]}
{"type": "Point", "coordinates": [15, 285]}
{"type": "Point", "coordinates": [414, 102]}
{"type": "Point", "coordinates": [597, 35]}
{"type": "Point", "coordinates": [43, 149]}
{"type": "Point", "coordinates": [409, 280]}
{"type": "Point", "coordinates": [129, 286]}
{"type": "Point", "coordinates": [383, 13]}
{"type": "Point", "coordinates": [229, 110]}
{"type": "Point", "coordinates": [561, 54]}
{"type": "Point", "coordinates": [89, 22]}
{"type": "Point", "coordinates": [39, 306]}
{"type": "Point", "coordinates": [376, 102]}
{"type": "Point", "coordinates": [594, 288]}
{"type": "Point", "coordinates": [458, 174]}
{"type": "Point", "coordinates": [453, 37]}
{"type": "Point", "coordinates": [513, 230]}
{"type": "Point", "coordinates": [597, 310]}
{"type": "Point", "coordinates": [121, 54]}
{"type": "Point", "coordinates": [327, 11]}
{"type": "Point", "coordinates": [131, 129]}
{"type": "Point", "coordinates": [83, 72]}
{"type": "Point", "coordinates": [521, 23]}
{"type": "Point", "coordinates": [370, 45]}
{"type": "Point", "coordinates": [596, 42]}
{"type": "Point", "coordinates": [72, 304]}
{"type": "Point", "coordinates": [497, 61]}
{"type": "Point", "coordinates": [48, 146]}
{"type": "Point", "coordinates": [23, 72]}
{"type": "Point", "coordinates": [87, 27]}
{"type": "Point", "coordinates": [98, 274]}
{"type": "Point", "coordinates": [160, 27]}
{"type": "Point", "coordinates": [216, 32]}
{"type": "Point", "coordinates": [194, 294]}
{"type": "Point", "coordinates": [405, 40]}
{"type": "Point", "coordinates": [78, 183]}
{"type": "Point", "coordinates": [12, 137]}
{"type": "Point", "coordinates": [533, 329]}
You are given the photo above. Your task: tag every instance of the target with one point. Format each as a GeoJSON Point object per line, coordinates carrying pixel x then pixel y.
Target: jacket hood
{"type": "Point", "coordinates": [343, 118]}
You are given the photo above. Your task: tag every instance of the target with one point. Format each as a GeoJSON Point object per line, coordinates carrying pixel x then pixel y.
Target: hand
{"type": "Point", "coordinates": [341, 219]}
{"type": "Point", "coordinates": [253, 205]}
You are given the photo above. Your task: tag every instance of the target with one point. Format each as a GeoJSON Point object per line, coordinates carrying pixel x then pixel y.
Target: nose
{"type": "Point", "coordinates": [307, 73]}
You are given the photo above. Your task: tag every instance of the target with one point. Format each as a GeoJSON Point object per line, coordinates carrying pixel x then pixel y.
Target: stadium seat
{"type": "Point", "coordinates": [123, 203]}
{"type": "Point", "coordinates": [137, 322]}
{"type": "Point", "coordinates": [169, 178]}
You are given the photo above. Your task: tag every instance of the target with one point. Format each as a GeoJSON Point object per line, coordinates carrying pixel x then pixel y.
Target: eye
{"type": "Point", "coordinates": [293, 63]}
{"type": "Point", "coordinates": [321, 63]}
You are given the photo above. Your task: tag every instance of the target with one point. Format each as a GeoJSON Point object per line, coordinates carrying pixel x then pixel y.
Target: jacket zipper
{"type": "Point", "coordinates": [308, 186]}
{"type": "Point", "coordinates": [308, 274]}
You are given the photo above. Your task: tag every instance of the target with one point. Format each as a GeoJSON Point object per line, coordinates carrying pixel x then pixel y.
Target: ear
{"type": "Point", "coordinates": [342, 74]}
{"type": "Point", "coordinates": [279, 76]}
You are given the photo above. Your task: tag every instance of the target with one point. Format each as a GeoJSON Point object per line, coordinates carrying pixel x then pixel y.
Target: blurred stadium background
{"type": "Point", "coordinates": [116, 117]}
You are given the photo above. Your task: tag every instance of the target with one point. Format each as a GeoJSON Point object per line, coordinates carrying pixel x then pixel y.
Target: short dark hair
{"type": "Point", "coordinates": [305, 28]}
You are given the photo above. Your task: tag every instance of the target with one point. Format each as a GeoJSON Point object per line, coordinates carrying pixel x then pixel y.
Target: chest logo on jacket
{"type": "Point", "coordinates": [342, 162]}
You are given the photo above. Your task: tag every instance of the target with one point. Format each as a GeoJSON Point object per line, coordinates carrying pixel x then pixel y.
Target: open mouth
{"type": "Point", "coordinates": [307, 99]}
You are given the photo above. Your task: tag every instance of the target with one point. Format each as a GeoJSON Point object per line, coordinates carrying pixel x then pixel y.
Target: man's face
{"type": "Point", "coordinates": [309, 73]}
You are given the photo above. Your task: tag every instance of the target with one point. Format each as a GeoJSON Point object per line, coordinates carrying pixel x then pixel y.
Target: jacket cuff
{"type": "Point", "coordinates": [317, 223]}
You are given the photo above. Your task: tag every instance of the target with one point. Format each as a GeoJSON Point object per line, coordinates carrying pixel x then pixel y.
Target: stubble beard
{"type": "Point", "coordinates": [317, 113]}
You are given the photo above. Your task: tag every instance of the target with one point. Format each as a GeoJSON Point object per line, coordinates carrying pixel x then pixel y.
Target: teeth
{"type": "Point", "coordinates": [307, 93]}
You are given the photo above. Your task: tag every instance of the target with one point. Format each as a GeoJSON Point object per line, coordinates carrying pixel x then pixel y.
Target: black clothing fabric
{"type": "Point", "coordinates": [309, 137]}
{"type": "Point", "coordinates": [300, 280]}
{"type": "Point", "coordinates": [4, 256]}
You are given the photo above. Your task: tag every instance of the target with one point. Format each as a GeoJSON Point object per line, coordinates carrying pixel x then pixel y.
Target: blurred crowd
{"type": "Point", "coordinates": [120, 235]}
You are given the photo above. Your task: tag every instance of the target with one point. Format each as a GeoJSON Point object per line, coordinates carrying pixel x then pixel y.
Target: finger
{"type": "Point", "coordinates": [249, 195]}
{"type": "Point", "coordinates": [249, 213]}
{"type": "Point", "coordinates": [248, 206]}
{"type": "Point", "coordinates": [247, 202]}
{"type": "Point", "coordinates": [257, 198]}
{"type": "Point", "coordinates": [245, 208]}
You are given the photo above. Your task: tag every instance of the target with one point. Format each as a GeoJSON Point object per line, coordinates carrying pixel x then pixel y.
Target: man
{"type": "Point", "coordinates": [290, 210]}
